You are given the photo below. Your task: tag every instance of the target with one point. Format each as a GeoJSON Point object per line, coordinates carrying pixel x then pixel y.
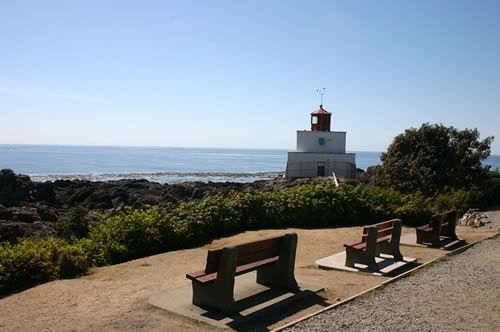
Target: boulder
{"type": "Point", "coordinates": [13, 231]}
{"type": "Point", "coordinates": [5, 213]}
{"type": "Point", "coordinates": [14, 189]}
{"type": "Point", "coordinates": [474, 218]}
{"type": "Point", "coordinates": [26, 214]}
{"type": "Point", "coordinates": [46, 213]}
{"type": "Point", "coordinates": [44, 191]}
{"type": "Point", "coordinates": [99, 199]}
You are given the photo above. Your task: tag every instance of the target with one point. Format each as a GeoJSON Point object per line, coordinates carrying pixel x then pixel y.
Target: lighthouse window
{"type": "Point", "coordinates": [314, 120]}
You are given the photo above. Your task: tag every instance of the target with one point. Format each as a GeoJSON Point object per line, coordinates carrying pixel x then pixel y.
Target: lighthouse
{"type": "Point", "coordinates": [320, 151]}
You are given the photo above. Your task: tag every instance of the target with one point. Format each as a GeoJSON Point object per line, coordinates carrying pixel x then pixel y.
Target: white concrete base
{"type": "Point", "coordinates": [252, 301]}
{"type": "Point", "coordinates": [386, 263]}
{"type": "Point", "coordinates": [410, 239]}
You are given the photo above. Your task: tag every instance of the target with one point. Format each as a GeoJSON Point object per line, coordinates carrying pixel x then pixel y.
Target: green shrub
{"type": "Point", "coordinates": [137, 233]}
{"type": "Point", "coordinates": [415, 209]}
{"type": "Point", "coordinates": [460, 200]}
{"type": "Point", "coordinates": [72, 261]}
{"type": "Point", "coordinates": [131, 234]}
{"type": "Point", "coordinates": [34, 261]}
{"type": "Point", "coordinates": [73, 224]}
{"type": "Point", "coordinates": [491, 190]}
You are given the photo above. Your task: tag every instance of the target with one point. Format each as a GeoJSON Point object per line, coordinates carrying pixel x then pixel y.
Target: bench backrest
{"type": "Point", "coordinates": [445, 217]}
{"type": "Point", "coordinates": [383, 229]}
{"type": "Point", "coordinates": [249, 252]}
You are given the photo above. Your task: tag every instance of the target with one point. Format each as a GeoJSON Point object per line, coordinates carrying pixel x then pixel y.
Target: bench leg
{"type": "Point", "coordinates": [281, 274]}
{"type": "Point", "coordinates": [354, 256]}
{"type": "Point", "coordinates": [392, 247]}
{"type": "Point", "coordinates": [421, 236]}
{"type": "Point", "coordinates": [436, 237]}
{"type": "Point", "coordinates": [425, 237]}
{"type": "Point", "coordinates": [450, 229]}
{"type": "Point", "coordinates": [371, 248]}
{"type": "Point", "coordinates": [219, 294]}
{"type": "Point", "coordinates": [351, 257]}
{"type": "Point", "coordinates": [220, 298]}
{"type": "Point", "coordinates": [366, 257]}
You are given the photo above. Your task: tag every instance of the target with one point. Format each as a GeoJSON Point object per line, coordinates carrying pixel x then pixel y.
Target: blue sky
{"type": "Point", "coordinates": [244, 73]}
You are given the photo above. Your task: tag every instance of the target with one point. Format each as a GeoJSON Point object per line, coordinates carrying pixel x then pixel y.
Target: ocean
{"type": "Point", "coordinates": [160, 164]}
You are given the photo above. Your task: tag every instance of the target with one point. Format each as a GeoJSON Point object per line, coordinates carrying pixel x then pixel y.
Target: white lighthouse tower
{"type": "Point", "coordinates": [320, 152]}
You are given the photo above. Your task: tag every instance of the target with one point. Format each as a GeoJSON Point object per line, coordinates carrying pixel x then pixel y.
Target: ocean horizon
{"type": "Point", "coordinates": [159, 164]}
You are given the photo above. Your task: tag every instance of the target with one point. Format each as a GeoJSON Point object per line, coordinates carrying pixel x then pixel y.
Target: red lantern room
{"type": "Point", "coordinates": [320, 120]}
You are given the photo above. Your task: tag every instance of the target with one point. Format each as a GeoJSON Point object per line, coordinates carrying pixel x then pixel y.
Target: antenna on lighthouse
{"type": "Point", "coordinates": [321, 92]}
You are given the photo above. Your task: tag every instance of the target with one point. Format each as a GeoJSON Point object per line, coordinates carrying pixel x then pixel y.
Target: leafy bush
{"type": "Point", "coordinates": [131, 234]}
{"type": "Point", "coordinates": [137, 233]}
{"type": "Point", "coordinates": [73, 224]}
{"type": "Point", "coordinates": [71, 261]}
{"type": "Point", "coordinates": [491, 190]}
{"type": "Point", "coordinates": [34, 261]}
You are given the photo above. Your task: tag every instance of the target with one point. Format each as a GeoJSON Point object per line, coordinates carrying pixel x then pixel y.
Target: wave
{"type": "Point", "coordinates": [164, 177]}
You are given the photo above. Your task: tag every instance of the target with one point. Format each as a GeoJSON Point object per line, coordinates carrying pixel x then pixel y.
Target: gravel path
{"type": "Point", "coordinates": [461, 293]}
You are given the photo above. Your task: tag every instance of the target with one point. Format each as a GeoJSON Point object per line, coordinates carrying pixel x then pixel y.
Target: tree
{"type": "Point", "coordinates": [434, 157]}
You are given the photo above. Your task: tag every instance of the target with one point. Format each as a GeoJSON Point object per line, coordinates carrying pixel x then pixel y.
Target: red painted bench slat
{"type": "Point", "coordinates": [203, 277]}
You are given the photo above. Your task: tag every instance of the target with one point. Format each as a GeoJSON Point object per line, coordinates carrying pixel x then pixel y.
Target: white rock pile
{"type": "Point", "coordinates": [473, 218]}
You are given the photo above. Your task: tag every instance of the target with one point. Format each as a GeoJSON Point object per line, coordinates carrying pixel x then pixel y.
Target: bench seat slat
{"type": "Point", "coordinates": [202, 277]}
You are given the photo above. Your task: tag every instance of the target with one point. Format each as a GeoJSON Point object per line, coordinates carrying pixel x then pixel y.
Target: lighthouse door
{"type": "Point", "coordinates": [321, 168]}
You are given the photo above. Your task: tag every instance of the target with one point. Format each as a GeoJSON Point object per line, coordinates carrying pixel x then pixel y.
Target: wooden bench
{"type": "Point", "coordinates": [380, 238]}
{"type": "Point", "coordinates": [443, 224]}
{"type": "Point", "coordinates": [272, 258]}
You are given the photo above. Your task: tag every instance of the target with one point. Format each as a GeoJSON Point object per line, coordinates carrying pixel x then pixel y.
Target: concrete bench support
{"type": "Point", "coordinates": [381, 238]}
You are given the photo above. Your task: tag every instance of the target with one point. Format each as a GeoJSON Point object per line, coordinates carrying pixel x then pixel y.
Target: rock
{"type": "Point", "coordinates": [44, 191]}
{"type": "Point", "coordinates": [24, 214]}
{"type": "Point", "coordinates": [473, 218]}
{"type": "Point", "coordinates": [14, 188]}
{"type": "Point", "coordinates": [120, 196]}
{"type": "Point", "coordinates": [77, 195]}
{"type": "Point", "coordinates": [12, 231]}
{"type": "Point", "coordinates": [46, 213]}
{"type": "Point", "coordinates": [5, 213]}
{"type": "Point", "coordinates": [168, 199]}
{"type": "Point", "coordinates": [99, 199]}
{"type": "Point", "coordinates": [147, 200]}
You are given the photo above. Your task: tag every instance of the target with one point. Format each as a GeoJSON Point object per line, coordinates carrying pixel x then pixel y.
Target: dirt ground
{"type": "Point", "coordinates": [114, 297]}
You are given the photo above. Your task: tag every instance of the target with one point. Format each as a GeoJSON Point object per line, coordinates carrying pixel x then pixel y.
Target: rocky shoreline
{"type": "Point", "coordinates": [31, 209]}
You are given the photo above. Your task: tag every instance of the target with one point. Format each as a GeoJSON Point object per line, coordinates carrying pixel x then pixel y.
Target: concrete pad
{"type": "Point", "coordinates": [252, 301]}
{"type": "Point", "coordinates": [386, 263]}
{"type": "Point", "coordinates": [410, 239]}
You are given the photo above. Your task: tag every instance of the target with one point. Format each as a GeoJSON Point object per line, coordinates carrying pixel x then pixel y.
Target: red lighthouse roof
{"type": "Point", "coordinates": [320, 110]}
